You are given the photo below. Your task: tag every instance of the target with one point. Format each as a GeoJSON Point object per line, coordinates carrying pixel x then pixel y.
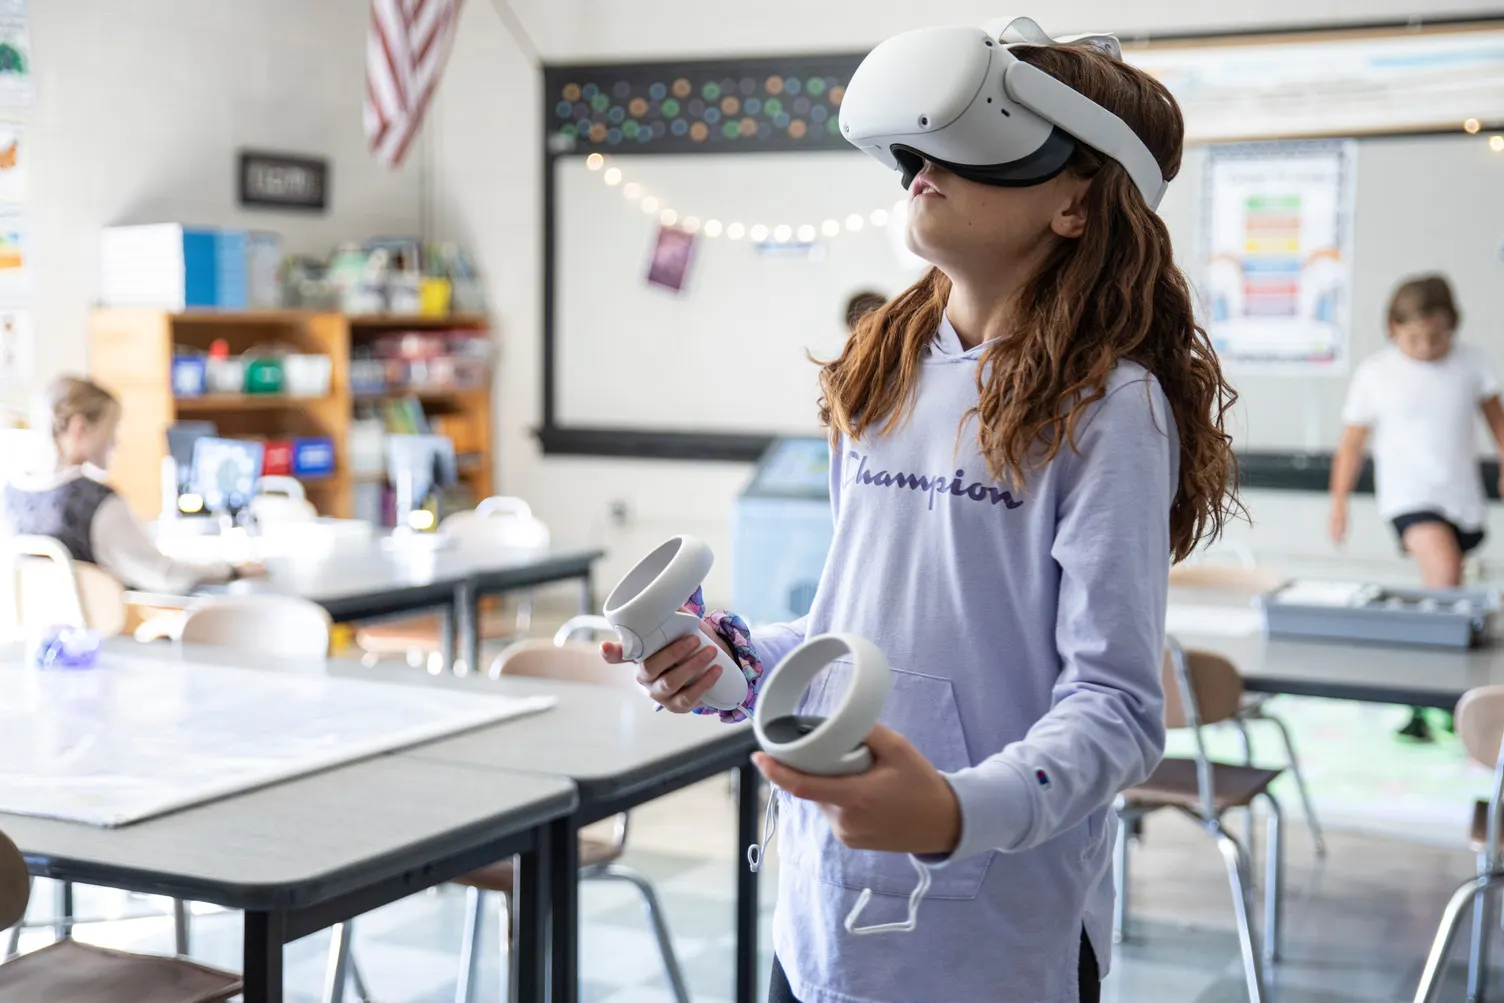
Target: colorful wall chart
{"type": "Point", "coordinates": [1277, 276]}
{"type": "Point", "coordinates": [15, 54]}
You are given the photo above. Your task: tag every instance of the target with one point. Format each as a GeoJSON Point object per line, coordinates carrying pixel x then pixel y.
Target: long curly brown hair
{"type": "Point", "coordinates": [1112, 294]}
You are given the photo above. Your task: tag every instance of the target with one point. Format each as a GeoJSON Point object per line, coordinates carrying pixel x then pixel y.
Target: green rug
{"type": "Point", "coordinates": [1362, 776]}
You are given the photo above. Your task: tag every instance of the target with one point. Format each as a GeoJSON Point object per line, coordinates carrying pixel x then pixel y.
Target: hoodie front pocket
{"type": "Point", "coordinates": [923, 709]}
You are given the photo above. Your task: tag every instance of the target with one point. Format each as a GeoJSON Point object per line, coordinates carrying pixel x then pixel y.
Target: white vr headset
{"type": "Point", "coordinates": [957, 97]}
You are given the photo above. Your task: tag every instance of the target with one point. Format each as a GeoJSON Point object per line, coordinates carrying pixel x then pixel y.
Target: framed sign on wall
{"type": "Point", "coordinates": [280, 181]}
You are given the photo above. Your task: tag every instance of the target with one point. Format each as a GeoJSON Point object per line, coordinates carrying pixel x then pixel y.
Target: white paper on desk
{"type": "Point", "coordinates": [140, 736]}
{"type": "Point", "coordinates": [1228, 621]}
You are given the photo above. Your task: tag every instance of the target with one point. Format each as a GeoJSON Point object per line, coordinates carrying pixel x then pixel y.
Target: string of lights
{"type": "Point", "coordinates": [758, 233]}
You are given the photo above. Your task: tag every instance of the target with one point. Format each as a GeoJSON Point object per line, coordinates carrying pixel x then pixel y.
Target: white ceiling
{"type": "Point", "coordinates": [607, 30]}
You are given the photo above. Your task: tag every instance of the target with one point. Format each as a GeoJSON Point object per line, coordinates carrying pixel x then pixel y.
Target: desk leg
{"type": "Point", "coordinates": [564, 906]}
{"type": "Point", "coordinates": [749, 785]}
{"type": "Point", "coordinates": [466, 623]}
{"type": "Point", "coordinates": [529, 924]}
{"type": "Point", "coordinates": [265, 933]}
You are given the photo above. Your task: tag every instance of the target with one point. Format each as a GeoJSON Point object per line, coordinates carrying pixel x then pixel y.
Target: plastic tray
{"type": "Point", "coordinates": [1433, 618]}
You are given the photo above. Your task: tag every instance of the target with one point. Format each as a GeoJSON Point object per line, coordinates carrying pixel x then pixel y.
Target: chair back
{"type": "Point", "coordinates": [48, 588]}
{"type": "Point", "coordinates": [281, 500]}
{"type": "Point", "coordinates": [1480, 725]}
{"type": "Point", "coordinates": [15, 884]}
{"type": "Point", "coordinates": [1227, 577]}
{"type": "Point", "coordinates": [277, 626]}
{"type": "Point", "coordinates": [575, 663]}
{"type": "Point", "coordinates": [1211, 692]}
{"type": "Point", "coordinates": [594, 626]}
{"type": "Point", "coordinates": [570, 662]}
{"type": "Point", "coordinates": [500, 521]}
{"type": "Point", "coordinates": [1200, 689]}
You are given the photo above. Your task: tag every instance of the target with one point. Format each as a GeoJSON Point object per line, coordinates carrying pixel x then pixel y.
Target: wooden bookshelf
{"type": "Point", "coordinates": [131, 351]}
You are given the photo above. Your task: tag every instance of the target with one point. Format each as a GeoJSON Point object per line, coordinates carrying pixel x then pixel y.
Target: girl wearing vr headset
{"type": "Point", "coordinates": [1021, 443]}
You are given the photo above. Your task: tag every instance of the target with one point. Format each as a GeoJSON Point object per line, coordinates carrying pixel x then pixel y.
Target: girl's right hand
{"type": "Point", "coordinates": [1337, 526]}
{"type": "Point", "coordinates": [675, 676]}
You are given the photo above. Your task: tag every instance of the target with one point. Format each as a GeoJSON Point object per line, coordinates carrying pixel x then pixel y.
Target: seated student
{"type": "Point", "coordinates": [75, 507]}
{"type": "Point", "coordinates": [1420, 397]}
{"type": "Point", "coordinates": [860, 305]}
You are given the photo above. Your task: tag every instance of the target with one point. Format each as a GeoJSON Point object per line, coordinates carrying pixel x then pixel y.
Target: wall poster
{"type": "Point", "coordinates": [1277, 270]}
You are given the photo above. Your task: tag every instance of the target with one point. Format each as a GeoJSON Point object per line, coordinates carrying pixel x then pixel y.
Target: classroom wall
{"type": "Point", "coordinates": [487, 170]}
{"type": "Point", "coordinates": [140, 109]}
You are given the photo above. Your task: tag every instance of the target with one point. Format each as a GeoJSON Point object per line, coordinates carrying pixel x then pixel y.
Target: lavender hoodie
{"type": "Point", "coordinates": [1025, 629]}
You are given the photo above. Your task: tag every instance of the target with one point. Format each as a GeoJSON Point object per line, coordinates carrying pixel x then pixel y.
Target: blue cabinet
{"type": "Point", "coordinates": [781, 531]}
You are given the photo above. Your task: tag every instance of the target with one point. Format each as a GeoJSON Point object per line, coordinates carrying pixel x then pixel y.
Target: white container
{"type": "Point", "coordinates": [224, 375]}
{"type": "Point", "coordinates": [307, 375]}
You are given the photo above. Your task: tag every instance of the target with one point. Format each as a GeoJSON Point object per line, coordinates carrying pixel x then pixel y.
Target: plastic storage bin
{"type": "Point", "coordinates": [307, 375]}
{"type": "Point", "coordinates": [188, 375]}
{"type": "Point", "coordinates": [263, 376]}
{"type": "Point", "coordinates": [230, 269]}
{"type": "Point", "coordinates": [1375, 614]}
{"type": "Point", "coordinates": [225, 375]}
{"type": "Point", "coordinates": [313, 456]}
{"type": "Point", "coordinates": [276, 458]}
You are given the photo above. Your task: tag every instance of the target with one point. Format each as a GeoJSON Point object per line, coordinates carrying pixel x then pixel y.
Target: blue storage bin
{"type": "Point", "coordinates": [174, 267]}
{"type": "Point", "coordinates": [313, 456]}
{"type": "Point", "coordinates": [231, 249]}
{"type": "Point", "coordinates": [188, 375]}
{"type": "Point", "coordinates": [781, 532]}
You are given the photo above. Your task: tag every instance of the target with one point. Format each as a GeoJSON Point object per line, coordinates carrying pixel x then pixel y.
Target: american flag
{"type": "Point", "coordinates": [405, 55]}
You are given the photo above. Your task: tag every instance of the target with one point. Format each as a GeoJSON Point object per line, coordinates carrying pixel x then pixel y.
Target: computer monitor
{"type": "Point", "coordinates": [416, 465]}
{"type": "Point", "coordinates": [181, 439]}
{"type": "Point", "coordinates": [225, 472]}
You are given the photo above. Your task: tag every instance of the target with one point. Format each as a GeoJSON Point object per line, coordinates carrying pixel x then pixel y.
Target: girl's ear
{"type": "Point", "coordinates": [1069, 220]}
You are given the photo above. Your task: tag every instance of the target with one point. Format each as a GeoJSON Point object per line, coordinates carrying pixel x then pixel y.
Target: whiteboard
{"type": "Point", "coordinates": [729, 353]}
{"type": "Point", "coordinates": [139, 736]}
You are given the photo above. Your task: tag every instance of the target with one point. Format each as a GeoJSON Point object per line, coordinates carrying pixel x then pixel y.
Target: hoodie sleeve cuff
{"type": "Point", "coordinates": [997, 811]}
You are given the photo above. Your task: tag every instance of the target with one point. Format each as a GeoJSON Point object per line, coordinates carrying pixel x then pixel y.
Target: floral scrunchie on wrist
{"type": "Point", "coordinates": [733, 630]}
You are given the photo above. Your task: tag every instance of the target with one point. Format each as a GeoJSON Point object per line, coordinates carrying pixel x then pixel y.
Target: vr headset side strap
{"type": "Point", "coordinates": [1089, 122]}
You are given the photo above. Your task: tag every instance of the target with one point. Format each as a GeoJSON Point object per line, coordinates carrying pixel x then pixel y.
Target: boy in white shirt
{"type": "Point", "coordinates": [1420, 398]}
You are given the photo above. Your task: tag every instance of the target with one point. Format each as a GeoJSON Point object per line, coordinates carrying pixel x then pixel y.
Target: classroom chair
{"type": "Point", "coordinates": [599, 858]}
{"type": "Point", "coordinates": [279, 627]}
{"type": "Point", "coordinates": [1203, 689]}
{"type": "Point", "coordinates": [1480, 725]}
{"type": "Point", "coordinates": [48, 588]}
{"type": "Point", "coordinates": [79, 973]}
{"type": "Point", "coordinates": [280, 500]}
{"type": "Point", "coordinates": [499, 521]}
{"type": "Point", "coordinates": [272, 625]}
{"type": "Point", "coordinates": [1248, 579]}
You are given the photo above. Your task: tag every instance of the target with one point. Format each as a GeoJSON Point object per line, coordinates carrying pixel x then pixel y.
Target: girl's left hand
{"type": "Point", "coordinates": [900, 805]}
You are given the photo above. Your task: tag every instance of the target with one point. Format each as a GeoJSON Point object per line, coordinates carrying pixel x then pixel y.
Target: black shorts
{"type": "Point", "coordinates": [1468, 540]}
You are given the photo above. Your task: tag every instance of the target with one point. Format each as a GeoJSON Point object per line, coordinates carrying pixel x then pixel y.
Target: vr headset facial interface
{"type": "Point", "coordinates": [957, 97]}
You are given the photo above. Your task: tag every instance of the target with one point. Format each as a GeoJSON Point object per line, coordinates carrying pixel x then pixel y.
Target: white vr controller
{"type": "Point", "coordinates": [831, 746]}
{"type": "Point", "coordinates": [644, 609]}
{"type": "Point", "coordinates": [826, 746]}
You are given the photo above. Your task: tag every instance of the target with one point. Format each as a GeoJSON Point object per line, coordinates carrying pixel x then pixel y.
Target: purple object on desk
{"type": "Point", "coordinates": [66, 648]}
